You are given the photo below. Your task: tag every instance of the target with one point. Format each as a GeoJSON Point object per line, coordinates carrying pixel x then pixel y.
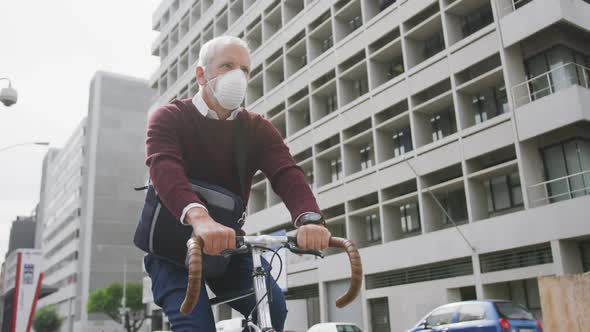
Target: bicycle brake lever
{"type": "Point", "coordinates": [229, 252]}
{"type": "Point", "coordinates": [296, 250]}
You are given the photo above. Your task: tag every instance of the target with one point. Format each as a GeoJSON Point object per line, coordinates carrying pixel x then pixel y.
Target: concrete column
{"type": "Point", "coordinates": [477, 276]}
{"type": "Point", "coordinates": [567, 258]}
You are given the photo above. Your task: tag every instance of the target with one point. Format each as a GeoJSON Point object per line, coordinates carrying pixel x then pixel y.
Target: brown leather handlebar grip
{"type": "Point", "coordinates": [193, 290]}
{"type": "Point", "coordinates": [356, 269]}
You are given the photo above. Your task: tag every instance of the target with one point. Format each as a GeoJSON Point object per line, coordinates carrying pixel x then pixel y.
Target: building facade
{"type": "Point", "coordinates": [450, 139]}
{"type": "Point", "coordinates": [22, 233]}
{"type": "Point", "coordinates": [88, 206]}
{"type": "Point", "coordinates": [59, 222]}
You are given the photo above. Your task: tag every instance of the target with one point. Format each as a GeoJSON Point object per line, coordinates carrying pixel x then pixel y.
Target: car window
{"type": "Point", "coordinates": [510, 310]}
{"type": "Point", "coordinates": [441, 316]}
{"type": "Point", "coordinates": [347, 328]}
{"type": "Point", "coordinates": [472, 311]}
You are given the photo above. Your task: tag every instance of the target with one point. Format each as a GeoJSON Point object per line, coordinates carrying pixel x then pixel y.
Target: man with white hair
{"type": "Point", "coordinates": [180, 147]}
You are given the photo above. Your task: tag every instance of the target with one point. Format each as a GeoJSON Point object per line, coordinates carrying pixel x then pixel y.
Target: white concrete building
{"type": "Point", "coordinates": [88, 208]}
{"type": "Point", "coordinates": [489, 102]}
{"type": "Point", "coordinates": [58, 226]}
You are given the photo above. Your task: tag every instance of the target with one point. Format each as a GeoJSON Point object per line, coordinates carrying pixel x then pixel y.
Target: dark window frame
{"type": "Point", "coordinates": [544, 159]}
{"type": "Point", "coordinates": [336, 171]}
{"type": "Point", "coordinates": [366, 156]}
{"type": "Point", "coordinates": [511, 186]}
{"type": "Point", "coordinates": [497, 100]}
{"type": "Point", "coordinates": [370, 220]}
{"type": "Point", "coordinates": [477, 20]}
{"type": "Point", "coordinates": [435, 122]}
{"type": "Point", "coordinates": [402, 140]}
{"type": "Point", "coordinates": [404, 219]}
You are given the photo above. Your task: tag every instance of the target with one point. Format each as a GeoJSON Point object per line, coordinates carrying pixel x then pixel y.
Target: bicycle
{"type": "Point", "coordinates": [257, 245]}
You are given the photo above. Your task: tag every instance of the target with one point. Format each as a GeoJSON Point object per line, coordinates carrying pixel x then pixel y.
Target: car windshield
{"type": "Point", "coordinates": [347, 328]}
{"type": "Point", "coordinates": [441, 316]}
{"type": "Point", "coordinates": [510, 310]}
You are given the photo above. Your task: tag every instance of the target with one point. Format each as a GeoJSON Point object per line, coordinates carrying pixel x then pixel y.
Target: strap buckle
{"type": "Point", "coordinates": [242, 218]}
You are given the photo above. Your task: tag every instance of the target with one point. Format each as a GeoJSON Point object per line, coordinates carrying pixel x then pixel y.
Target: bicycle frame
{"type": "Point", "coordinates": [260, 290]}
{"type": "Point", "coordinates": [264, 321]}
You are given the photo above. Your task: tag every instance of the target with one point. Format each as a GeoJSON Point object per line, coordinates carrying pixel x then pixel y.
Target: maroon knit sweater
{"type": "Point", "coordinates": [181, 146]}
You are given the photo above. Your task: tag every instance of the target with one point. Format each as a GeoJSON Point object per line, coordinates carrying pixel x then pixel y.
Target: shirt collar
{"type": "Point", "coordinates": [202, 107]}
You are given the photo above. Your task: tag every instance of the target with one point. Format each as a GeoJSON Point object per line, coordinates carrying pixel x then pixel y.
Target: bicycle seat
{"type": "Point", "coordinates": [232, 296]}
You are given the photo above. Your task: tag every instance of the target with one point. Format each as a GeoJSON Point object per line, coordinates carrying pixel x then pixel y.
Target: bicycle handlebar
{"type": "Point", "coordinates": [195, 246]}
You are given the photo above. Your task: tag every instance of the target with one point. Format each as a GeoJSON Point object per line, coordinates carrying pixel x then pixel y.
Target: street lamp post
{"type": "Point", "coordinates": [8, 95]}
{"type": "Point", "coordinates": [22, 144]}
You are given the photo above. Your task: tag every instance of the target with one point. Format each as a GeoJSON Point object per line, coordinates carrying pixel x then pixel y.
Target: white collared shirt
{"type": "Point", "coordinates": [204, 109]}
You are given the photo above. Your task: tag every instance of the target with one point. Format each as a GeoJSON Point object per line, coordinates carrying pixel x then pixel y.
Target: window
{"type": "Point", "coordinates": [472, 311]}
{"type": "Point", "coordinates": [402, 142]}
{"type": "Point", "coordinates": [379, 309]}
{"type": "Point", "coordinates": [331, 104]}
{"type": "Point", "coordinates": [441, 316]}
{"type": "Point", "coordinates": [327, 43]}
{"type": "Point", "coordinates": [455, 205]}
{"type": "Point", "coordinates": [518, 4]}
{"type": "Point", "coordinates": [410, 218]}
{"type": "Point", "coordinates": [309, 176]}
{"type": "Point", "coordinates": [336, 169]}
{"type": "Point", "coordinates": [360, 87]}
{"type": "Point", "coordinates": [372, 228]}
{"type": "Point", "coordinates": [383, 4]}
{"type": "Point", "coordinates": [490, 103]}
{"type": "Point", "coordinates": [395, 67]}
{"type": "Point", "coordinates": [561, 75]}
{"type": "Point", "coordinates": [433, 45]}
{"type": "Point", "coordinates": [503, 192]}
{"type": "Point", "coordinates": [355, 23]}
{"type": "Point", "coordinates": [347, 328]}
{"type": "Point", "coordinates": [476, 20]}
{"type": "Point", "coordinates": [510, 310]}
{"type": "Point", "coordinates": [366, 154]}
{"type": "Point", "coordinates": [568, 159]}
{"type": "Point", "coordinates": [443, 124]}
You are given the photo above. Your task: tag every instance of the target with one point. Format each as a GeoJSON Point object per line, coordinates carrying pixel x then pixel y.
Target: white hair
{"type": "Point", "coordinates": [210, 47]}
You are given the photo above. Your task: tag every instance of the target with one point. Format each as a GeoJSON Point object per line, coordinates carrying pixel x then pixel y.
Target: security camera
{"type": "Point", "coordinates": [8, 96]}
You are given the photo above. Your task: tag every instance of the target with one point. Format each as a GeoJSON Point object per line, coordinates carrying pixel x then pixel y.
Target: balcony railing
{"type": "Point", "coordinates": [515, 4]}
{"type": "Point", "coordinates": [556, 79]}
{"type": "Point", "coordinates": [560, 189]}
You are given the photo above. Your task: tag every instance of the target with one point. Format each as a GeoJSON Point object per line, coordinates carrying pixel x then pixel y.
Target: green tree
{"type": "Point", "coordinates": [108, 301]}
{"type": "Point", "coordinates": [47, 320]}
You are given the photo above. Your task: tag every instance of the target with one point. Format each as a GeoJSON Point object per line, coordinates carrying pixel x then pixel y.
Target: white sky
{"type": "Point", "coordinates": [50, 50]}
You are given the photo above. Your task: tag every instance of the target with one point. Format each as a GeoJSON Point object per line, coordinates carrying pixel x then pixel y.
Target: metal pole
{"type": "Point", "coordinates": [124, 299]}
{"type": "Point", "coordinates": [125, 317]}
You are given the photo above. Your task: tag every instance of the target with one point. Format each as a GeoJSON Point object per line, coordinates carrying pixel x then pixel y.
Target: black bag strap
{"type": "Point", "coordinates": [239, 144]}
{"type": "Point", "coordinates": [240, 148]}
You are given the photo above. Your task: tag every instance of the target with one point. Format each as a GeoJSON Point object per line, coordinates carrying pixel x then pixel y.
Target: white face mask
{"type": "Point", "coordinates": [230, 88]}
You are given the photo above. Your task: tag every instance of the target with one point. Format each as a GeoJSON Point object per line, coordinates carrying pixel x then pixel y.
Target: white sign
{"type": "Point", "coordinates": [26, 289]}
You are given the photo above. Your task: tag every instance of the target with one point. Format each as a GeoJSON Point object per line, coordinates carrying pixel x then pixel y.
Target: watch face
{"type": "Point", "coordinates": [312, 217]}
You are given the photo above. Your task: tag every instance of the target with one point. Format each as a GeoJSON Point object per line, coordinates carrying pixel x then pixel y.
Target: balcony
{"type": "Point", "coordinates": [545, 14]}
{"type": "Point", "coordinates": [548, 83]}
{"type": "Point", "coordinates": [559, 189]}
{"type": "Point", "coordinates": [558, 96]}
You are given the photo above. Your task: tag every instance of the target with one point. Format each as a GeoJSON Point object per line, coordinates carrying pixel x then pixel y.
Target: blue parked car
{"type": "Point", "coordinates": [479, 316]}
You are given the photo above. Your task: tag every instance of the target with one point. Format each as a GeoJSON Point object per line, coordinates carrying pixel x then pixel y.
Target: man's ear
{"type": "Point", "coordinates": [200, 75]}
